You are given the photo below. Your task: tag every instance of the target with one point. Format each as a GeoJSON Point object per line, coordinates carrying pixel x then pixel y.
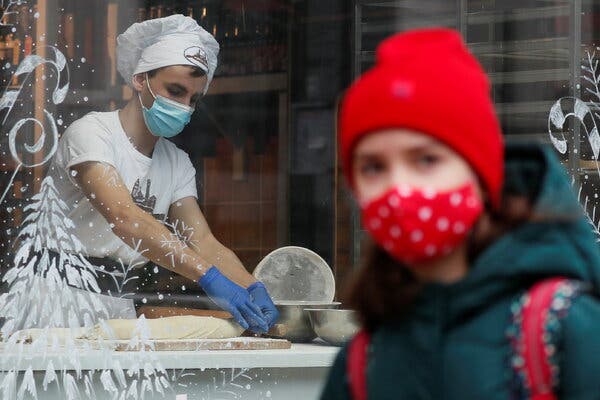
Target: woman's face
{"type": "Point", "coordinates": [395, 157]}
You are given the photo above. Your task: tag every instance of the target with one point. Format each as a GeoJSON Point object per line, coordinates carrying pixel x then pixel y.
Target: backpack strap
{"type": "Point", "coordinates": [535, 317]}
{"type": "Point", "coordinates": [356, 365]}
{"type": "Point", "coordinates": [537, 310]}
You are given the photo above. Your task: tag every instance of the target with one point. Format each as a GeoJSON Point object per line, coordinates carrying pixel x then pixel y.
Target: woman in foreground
{"type": "Point", "coordinates": [464, 228]}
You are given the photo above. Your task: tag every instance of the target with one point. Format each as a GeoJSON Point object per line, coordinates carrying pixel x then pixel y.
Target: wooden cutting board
{"type": "Point", "coordinates": [160, 312]}
{"type": "Point", "coordinates": [238, 343]}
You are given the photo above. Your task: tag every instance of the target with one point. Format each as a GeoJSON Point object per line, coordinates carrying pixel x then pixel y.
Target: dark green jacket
{"type": "Point", "coordinates": [454, 344]}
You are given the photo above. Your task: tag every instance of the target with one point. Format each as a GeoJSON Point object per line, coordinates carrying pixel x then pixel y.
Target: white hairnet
{"type": "Point", "coordinates": [162, 42]}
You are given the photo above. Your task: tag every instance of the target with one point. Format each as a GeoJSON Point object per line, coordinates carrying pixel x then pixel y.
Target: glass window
{"type": "Point", "coordinates": [109, 211]}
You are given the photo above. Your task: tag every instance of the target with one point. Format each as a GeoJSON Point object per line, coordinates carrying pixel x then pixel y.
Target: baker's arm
{"type": "Point", "coordinates": [186, 215]}
{"type": "Point", "coordinates": [106, 191]}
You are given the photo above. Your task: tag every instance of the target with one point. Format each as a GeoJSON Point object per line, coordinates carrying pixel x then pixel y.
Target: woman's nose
{"type": "Point", "coordinates": [400, 176]}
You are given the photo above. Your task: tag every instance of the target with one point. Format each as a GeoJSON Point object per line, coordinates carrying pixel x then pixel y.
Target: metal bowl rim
{"type": "Point", "coordinates": [306, 303]}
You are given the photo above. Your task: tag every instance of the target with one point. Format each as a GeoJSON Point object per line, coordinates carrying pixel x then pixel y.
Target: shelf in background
{"type": "Point", "coordinates": [472, 18]}
{"type": "Point", "coordinates": [521, 46]}
{"type": "Point", "coordinates": [403, 25]}
{"type": "Point", "coordinates": [272, 82]}
{"type": "Point", "coordinates": [518, 14]}
{"type": "Point", "coordinates": [588, 166]}
{"type": "Point", "coordinates": [544, 75]}
{"type": "Point", "coordinates": [542, 137]}
{"type": "Point", "coordinates": [249, 83]}
{"type": "Point", "coordinates": [524, 107]}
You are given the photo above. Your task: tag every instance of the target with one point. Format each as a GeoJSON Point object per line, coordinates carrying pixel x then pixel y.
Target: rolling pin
{"type": "Point", "coordinates": [152, 312]}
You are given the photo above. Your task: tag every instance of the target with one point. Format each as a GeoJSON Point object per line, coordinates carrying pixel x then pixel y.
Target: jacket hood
{"type": "Point", "coordinates": [557, 241]}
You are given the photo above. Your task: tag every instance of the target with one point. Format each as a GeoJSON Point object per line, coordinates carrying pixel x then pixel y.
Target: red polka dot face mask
{"type": "Point", "coordinates": [419, 225]}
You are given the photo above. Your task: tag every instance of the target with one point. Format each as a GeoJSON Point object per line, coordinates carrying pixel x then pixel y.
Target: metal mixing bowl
{"type": "Point", "coordinates": [294, 323]}
{"type": "Point", "coordinates": [333, 326]}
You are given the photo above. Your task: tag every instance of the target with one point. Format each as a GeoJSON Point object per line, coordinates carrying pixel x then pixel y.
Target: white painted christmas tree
{"type": "Point", "coordinates": [50, 282]}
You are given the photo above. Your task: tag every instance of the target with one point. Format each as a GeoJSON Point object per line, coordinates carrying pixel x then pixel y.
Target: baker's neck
{"type": "Point", "coordinates": [449, 269]}
{"type": "Point", "coordinates": [135, 128]}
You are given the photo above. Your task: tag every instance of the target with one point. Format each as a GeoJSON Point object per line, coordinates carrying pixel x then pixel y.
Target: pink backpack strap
{"type": "Point", "coordinates": [544, 303]}
{"type": "Point", "coordinates": [356, 365]}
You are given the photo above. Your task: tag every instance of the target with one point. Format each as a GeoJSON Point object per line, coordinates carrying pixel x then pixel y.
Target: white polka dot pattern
{"type": "Point", "coordinates": [416, 225]}
{"type": "Point", "coordinates": [425, 213]}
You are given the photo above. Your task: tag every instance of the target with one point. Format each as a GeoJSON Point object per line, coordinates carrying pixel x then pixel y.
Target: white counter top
{"type": "Point", "coordinates": [299, 356]}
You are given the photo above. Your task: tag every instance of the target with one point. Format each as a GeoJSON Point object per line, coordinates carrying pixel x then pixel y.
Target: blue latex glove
{"type": "Point", "coordinates": [258, 293]}
{"type": "Point", "coordinates": [233, 298]}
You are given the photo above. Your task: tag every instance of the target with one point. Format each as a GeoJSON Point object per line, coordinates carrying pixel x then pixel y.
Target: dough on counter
{"type": "Point", "coordinates": [49, 334]}
{"type": "Point", "coordinates": [178, 327]}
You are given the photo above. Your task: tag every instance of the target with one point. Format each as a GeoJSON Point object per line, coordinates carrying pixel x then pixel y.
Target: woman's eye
{"type": "Point", "coordinates": [371, 168]}
{"type": "Point", "coordinates": [427, 160]}
{"type": "Point", "coordinates": [174, 92]}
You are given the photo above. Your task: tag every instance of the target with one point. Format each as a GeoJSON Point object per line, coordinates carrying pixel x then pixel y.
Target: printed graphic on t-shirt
{"type": "Point", "coordinates": [143, 199]}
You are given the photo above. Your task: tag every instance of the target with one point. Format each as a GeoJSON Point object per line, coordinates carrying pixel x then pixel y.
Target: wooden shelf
{"type": "Point", "coordinates": [273, 82]}
{"type": "Point", "coordinates": [586, 166]}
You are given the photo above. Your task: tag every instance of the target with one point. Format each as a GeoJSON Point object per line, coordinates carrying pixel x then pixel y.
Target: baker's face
{"type": "Point", "coordinates": [176, 82]}
{"type": "Point", "coordinates": [395, 157]}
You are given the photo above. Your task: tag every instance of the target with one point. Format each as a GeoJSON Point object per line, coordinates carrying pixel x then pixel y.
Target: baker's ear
{"type": "Point", "coordinates": [138, 81]}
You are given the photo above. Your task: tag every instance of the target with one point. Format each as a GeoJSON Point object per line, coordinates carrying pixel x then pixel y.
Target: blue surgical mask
{"type": "Point", "coordinates": [166, 118]}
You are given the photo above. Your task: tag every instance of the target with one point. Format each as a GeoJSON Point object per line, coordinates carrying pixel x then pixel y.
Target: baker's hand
{"type": "Point", "coordinates": [258, 293]}
{"type": "Point", "coordinates": [233, 298]}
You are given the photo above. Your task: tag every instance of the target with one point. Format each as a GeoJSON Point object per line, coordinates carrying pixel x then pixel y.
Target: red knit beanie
{"type": "Point", "coordinates": [428, 81]}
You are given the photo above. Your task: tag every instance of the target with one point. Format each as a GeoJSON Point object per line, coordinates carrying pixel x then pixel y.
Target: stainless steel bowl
{"type": "Point", "coordinates": [333, 326]}
{"type": "Point", "coordinates": [294, 323]}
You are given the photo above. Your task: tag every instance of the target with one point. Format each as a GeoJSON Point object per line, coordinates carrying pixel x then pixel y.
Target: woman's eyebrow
{"type": "Point", "coordinates": [422, 147]}
{"type": "Point", "coordinates": [367, 156]}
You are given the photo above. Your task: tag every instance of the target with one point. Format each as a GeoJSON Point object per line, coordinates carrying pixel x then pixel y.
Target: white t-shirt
{"type": "Point", "coordinates": [155, 183]}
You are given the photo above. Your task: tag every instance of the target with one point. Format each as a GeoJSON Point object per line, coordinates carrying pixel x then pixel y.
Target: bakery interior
{"type": "Point", "coordinates": [263, 141]}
